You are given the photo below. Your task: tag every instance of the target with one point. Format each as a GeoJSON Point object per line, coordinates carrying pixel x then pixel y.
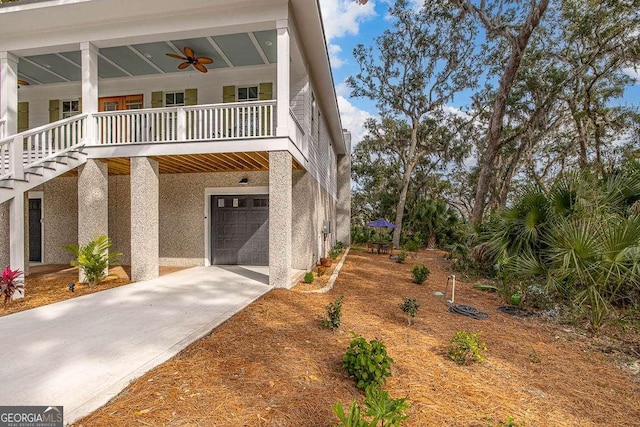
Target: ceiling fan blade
{"type": "Point", "coordinates": [23, 82]}
{"type": "Point", "coordinates": [200, 67]}
{"type": "Point", "coordinates": [204, 60]}
{"type": "Point", "coordinates": [184, 65]}
{"type": "Point", "coordinates": [173, 55]}
{"type": "Point", "coordinates": [188, 52]}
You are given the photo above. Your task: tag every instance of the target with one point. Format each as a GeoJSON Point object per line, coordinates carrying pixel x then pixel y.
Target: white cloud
{"type": "Point", "coordinates": [334, 55]}
{"type": "Point", "coordinates": [342, 17]}
{"type": "Point", "coordinates": [633, 72]}
{"type": "Point", "coordinates": [353, 118]}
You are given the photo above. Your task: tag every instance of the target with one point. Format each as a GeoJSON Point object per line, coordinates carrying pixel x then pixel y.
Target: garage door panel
{"type": "Point", "coordinates": [240, 234]}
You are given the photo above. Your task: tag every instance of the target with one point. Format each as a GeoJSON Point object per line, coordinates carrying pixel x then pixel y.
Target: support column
{"type": "Point", "coordinates": [280, 218]}
{"type": "Point", "coordinates": [17, 233]}
{"type": "Point", "coordinates": [89, 55]}
{"type": "Point", "coordinates": [145, 243]}
{"type": "Point", "coordinates": [5, 234]}
{"type": "Point", "coordinates": [283, 78]}
{"type": "Point", "coordinates": [343, 209]}
{"type": "Point", "coordinates": [93, 201]}
{"type": "Point", "coordinates": [9, 92]}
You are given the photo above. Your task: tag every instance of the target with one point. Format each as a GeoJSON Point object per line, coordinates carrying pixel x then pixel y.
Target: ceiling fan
{"type": "Point", "coordinates": [23, 83]}
{"type": "Point", "coordinates": [191, 59]}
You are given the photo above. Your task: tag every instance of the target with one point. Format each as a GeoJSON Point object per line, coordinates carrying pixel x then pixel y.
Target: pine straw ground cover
{"type": "Point", "coordinates": [273, 365]}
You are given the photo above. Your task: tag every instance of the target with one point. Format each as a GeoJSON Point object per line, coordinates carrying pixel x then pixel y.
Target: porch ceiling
{"type": "Point", "coordinates": [227, 51]}
{"type": "Point", "coordinates": [214, 162]}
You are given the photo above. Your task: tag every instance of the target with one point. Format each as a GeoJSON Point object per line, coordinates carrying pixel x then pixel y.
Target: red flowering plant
{"type": "Point", "coordinates": [9, 284]}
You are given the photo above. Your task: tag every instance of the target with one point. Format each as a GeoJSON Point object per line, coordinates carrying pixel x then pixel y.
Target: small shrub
{"type": "Point", "coordinates": [401, 257]}
{"type": "Point", "coordinates": [308, 277]}
{"type": "Point", "coordinates": [466, 348]}
{"type": "Point", "coordinates": [333, 253]}
{"type": "Point", "coordinates": [339, 246]}
{"type": "Point", "coordinates": [379, 407]}
{"type": "Point", "coordinates": [9, 284]}
{"type": "Point", "coordinates": [420, 273]}
{"type": "Point", "coordinates": [410, 308]}
{"type": "Point", "coordinates": [367, 362]}
{"type": "Point", "coordinates": [412, 246]}
{"type": "Point", "coordinates": [321, 271]}
{"type": "Point", "coordinates": [510, 422]}
{"type": "Point", "coordinates": [334, 314]}
{"type": "Point", "coordinates": [515, 299]}
{"type": "Point", "coordinates": [94, 258]}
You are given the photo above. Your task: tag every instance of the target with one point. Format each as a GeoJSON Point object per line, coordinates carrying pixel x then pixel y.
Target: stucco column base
{"type": "Point", "coordinates": [343, 209]}
{"type": "Point", "coordinates": [5, 230]}
{"type": "Point", "coordinates": [93, 202]}
{"type": "Point", "coordinates": [280, 218]}
{"type": "Point", "coordinates": [145, 244]}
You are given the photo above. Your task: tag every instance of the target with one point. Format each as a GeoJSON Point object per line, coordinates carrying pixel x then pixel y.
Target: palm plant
{"type": "Point", "coordinates": [94, 258]}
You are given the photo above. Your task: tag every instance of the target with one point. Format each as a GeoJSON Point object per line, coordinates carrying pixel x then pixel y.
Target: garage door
{"type": "Point", "coordinates": [240, 230]}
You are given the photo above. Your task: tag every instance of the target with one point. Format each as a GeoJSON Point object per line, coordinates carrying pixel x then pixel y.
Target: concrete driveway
{"type": "Point", "coordinates": [82, 352]}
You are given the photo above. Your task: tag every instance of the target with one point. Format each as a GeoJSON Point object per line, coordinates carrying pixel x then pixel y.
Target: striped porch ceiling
{"type": "Point", "coordinates": [227, 51]}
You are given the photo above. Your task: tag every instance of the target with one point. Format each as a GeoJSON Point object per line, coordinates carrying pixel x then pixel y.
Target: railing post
{"type": "Point", "coordinates": [17, 157]}
{"type": "Point", "coordinates": [89, 135]}
{"type": "Point", "coordinates": [181, 124]}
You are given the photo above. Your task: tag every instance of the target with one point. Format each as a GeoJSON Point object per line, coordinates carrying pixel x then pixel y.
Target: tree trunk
{"type": "Point", "coordinates": [493, 141]}
{"type": "Point", "coordinates": [410, 164]}
{"type": "Point", "coordinates": [431, 244]}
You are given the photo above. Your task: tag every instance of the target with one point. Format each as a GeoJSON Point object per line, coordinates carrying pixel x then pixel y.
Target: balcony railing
{"type": "Point", "coordinates": [239, 120]}
{"type": "Point", "coordinates": [2, 128]}
{"type": "Point", "coordinates": [230, 121]}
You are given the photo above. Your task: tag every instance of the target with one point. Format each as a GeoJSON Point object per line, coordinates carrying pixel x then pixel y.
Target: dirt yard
{"type": "Point", "coordinates": [274, 365]}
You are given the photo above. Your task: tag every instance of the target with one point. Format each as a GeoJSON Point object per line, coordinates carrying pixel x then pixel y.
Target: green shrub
{"type": "Point", "coordinates": [367, 362]}
{"type": "Point", "coordinates": [410, 308]}
{"type": "Point", "coordinates": [334, 314]}
{"type": "Point", "coordinates": [333, 253]}
{"type": "Point", "coordinates": [94, 258]}
{"type": "Point", "coordinates": [379, 407]}
{"type": "Point", "coordinates": [401, 257]}
{"type": "Point", "coordinates": [412, 245]}
{"type": "Point", "coordinates": [420, 273]}
{"type": "Point", "coordinates": [308, 277]}
{"type": "Point", "coordinates": [339, 246]}
{"type": "Point", "coordinates": [466, 348]}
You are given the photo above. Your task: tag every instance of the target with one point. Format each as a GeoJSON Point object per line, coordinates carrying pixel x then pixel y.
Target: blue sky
{"type": "Point", "coordinates": [348, 24]}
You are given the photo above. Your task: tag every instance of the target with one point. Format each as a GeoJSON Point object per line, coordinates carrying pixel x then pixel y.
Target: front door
{"type": "Point", "coordinates": [116, 103]}
{"type": "Point", "coordinates": [35, 230]}
{"type": "Point", "coordinates": [240, 230]}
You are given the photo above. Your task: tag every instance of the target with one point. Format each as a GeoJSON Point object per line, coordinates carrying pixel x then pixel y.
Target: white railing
{"type": "Point", "coordinates": [40, 144]}
{"type": "Point", "coordinates": [194, 123]}
{"type": "Point", "coordinates": [296, 133]}
{"type": "Point", "coordinates": [2, 128]}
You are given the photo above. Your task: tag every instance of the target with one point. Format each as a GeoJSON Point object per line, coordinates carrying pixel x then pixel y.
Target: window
{"type": "Point", "coordinates": [248, 93]}
{"type": "Point", "coordinates": [174, 99]}
{"type": "Point", "coordinates": [70, 108]}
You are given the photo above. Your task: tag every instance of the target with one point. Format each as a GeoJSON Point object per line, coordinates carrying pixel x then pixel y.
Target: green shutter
{"type": "Point", "coordinates": [23, 116]}
{"type": "Point", "coordinates": [54, 110]}
{"type": "Point", "coordinates": [80, 106]}
{"type": "Point", "coordinates": [265, 91]}
{"type": "Point", "coordinates": [157, 99]}
{"type": "Point", "coordinates": [228, 94]}
{"type": "Point", "coordinates": [191, 97]}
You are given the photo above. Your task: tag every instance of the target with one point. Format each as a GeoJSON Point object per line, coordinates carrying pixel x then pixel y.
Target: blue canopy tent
{"type": "Point", "coordinates": [382, 223]}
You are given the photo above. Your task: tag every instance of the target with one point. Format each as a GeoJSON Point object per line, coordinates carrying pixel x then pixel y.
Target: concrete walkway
{"type": "Point", "coordinates": [82, 352]}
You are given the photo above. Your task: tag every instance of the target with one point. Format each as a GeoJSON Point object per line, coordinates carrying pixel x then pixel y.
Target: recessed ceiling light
{"type": "Point", "coordinates": [269, 43]}
{"type": "Point", "coordinates": [147, 55]}
{"type": "Point", "coordinates": [47, 66]}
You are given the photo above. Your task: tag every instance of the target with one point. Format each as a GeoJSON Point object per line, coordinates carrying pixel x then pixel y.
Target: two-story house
{"type": "Point", "coordinates": [191, 132]}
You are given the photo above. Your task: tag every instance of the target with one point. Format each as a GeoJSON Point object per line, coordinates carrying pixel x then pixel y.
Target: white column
{"type": "Point", "coordinates": [89, 86]}
{"type": "Point", "coordinates": [283, 71]}
{"type": "Point", "coordinates": [145, 228]}
{"type": "Point", "coordinates": [9, 92]}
